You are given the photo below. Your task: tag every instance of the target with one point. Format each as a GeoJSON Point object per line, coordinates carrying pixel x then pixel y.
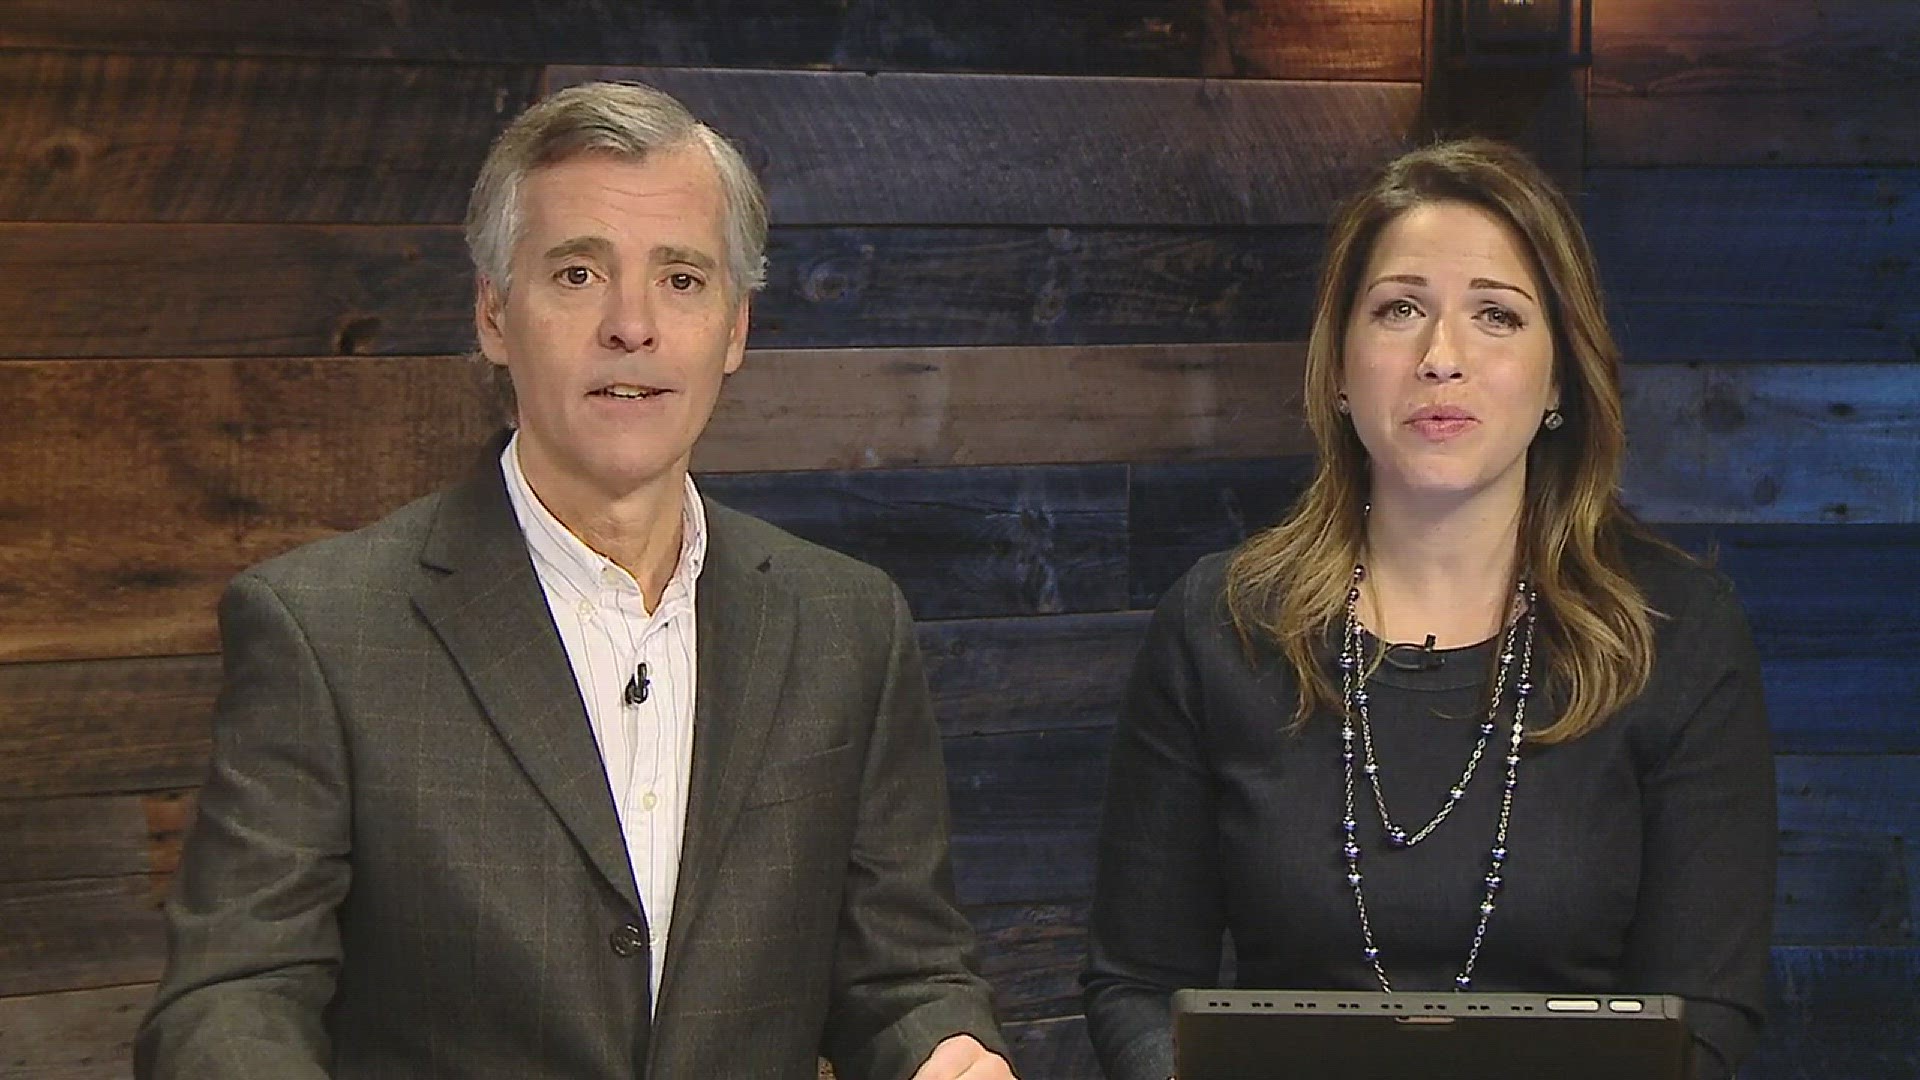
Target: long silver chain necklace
{"type": "Point", "coordinates": [1516, 646]}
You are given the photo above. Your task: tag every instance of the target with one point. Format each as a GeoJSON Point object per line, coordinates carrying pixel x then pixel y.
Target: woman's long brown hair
{"type": "Point", "coordinates": [1286, 587]}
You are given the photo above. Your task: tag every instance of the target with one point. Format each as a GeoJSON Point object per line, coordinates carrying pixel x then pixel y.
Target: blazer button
{"type": "Point", "coordinates": [629, 940]}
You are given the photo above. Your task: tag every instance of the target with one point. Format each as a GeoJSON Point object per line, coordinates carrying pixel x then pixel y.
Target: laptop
{"type": "Point", "coordinates": [1336, 1035]}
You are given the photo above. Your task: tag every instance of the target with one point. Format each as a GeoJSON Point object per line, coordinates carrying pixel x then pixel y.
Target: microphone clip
{"type": "Point", "coordinates": [638, 687]}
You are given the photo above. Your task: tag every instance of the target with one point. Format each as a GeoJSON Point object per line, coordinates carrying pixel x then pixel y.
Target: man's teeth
{"type": "Point", "coordinates": [630, 392]}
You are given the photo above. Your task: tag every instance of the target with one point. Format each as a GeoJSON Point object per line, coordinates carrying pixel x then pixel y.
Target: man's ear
{"type": "Point", "coordinates": [489, 309]}
{"type": "Point", "coordinates": [737, 337]}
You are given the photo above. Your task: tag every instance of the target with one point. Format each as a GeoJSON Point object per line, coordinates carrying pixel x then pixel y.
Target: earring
{"type": "Point", "coordinates": [1552, 420]}
{"type": "Point", "coordinates": [1340, 405]}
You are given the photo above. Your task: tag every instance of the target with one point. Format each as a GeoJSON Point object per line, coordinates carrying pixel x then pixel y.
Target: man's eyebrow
{"type": "Point", "coordinates": [667, 253]}
{"type": "Point", "coordinates": [1491, 283]}
{"type": "Point", "coordinates": [579, 245]}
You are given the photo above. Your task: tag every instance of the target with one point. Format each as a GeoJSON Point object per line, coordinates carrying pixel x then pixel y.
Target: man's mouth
{"type": "Point", "coordinates": [628, 392]}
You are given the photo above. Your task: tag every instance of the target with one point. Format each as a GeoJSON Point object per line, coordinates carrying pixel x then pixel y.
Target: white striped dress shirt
{"type": "Point", "coordinates": [647, 748]}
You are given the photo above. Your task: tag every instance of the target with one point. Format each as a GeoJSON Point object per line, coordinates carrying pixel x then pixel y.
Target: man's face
{"type": "Point", "coordinates": [621, 321]}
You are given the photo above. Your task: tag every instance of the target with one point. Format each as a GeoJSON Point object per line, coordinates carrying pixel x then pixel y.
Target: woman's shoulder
{"type": "Point", "coordinates": [1673, 580]}
{"type": "Point", "coordinates": [1194, 608]}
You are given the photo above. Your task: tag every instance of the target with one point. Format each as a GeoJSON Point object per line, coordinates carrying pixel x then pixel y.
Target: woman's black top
{"type": "Point", "coordinates": [1641, 856]}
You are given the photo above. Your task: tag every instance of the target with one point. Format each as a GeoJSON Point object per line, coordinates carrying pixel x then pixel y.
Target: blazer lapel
{"type": "Point", "coordinates": [489, 610]}
{"type": "Point", "coordinates": [745, 630]}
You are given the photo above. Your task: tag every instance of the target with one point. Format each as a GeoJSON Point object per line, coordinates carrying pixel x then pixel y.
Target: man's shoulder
{"type": "Point", "coordinates": [370, 554]}
{"type": "Point", "coordinates": [799, 565]}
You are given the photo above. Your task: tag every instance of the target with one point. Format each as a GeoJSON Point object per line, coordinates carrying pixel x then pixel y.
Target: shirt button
{"type": "Point", "coordinates": [586, 609]}
{"type": "Point", "coordinates": [649, 801]}
{"type": "Point", "coordinates": [610, 578]}
{"type": "Point", "coordinates": [629, 940]}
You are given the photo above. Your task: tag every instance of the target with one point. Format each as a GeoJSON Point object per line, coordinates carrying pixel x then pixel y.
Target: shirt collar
{"type": "Point", "coordinates": [559, 554]}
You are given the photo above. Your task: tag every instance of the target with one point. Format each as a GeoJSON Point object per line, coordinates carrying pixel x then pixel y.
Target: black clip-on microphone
{"type": "Point", "coordinates": [1420, 657]}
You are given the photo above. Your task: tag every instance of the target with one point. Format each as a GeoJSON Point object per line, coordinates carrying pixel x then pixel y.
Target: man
{"type": "Point", "coordinates": [564, 771]}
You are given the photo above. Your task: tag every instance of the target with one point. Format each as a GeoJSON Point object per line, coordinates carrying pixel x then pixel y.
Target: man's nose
{"type": "Point", "coordinates": [627, 324]}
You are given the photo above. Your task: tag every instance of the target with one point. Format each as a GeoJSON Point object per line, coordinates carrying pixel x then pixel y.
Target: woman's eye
{"type": "Point", "coordinates": [682, 282]}
{"type": "Point", "coordinates": [576, 276]}
{"type": "Point", "coordinates": [1396, 311]}
{"type": "Point", "coordinates": [1503, 318]}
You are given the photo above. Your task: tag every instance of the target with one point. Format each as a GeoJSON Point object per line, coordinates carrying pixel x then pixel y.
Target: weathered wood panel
{"type": "Point", "coordinates": [995, 676]}
{"type": "Point", "coordinates": [1759, 264]}
{"type": "Point", "coordinates": [839, 148]}
{"type": "Point", "coordinates": [1025, 810]}
{"type": "Point", "coordinates": [117, 138]}
{"type": "Point", "coordinates": [99, 727]}
{"type": "Point", "coordinates": [1343, 39]}
{"type": "Point", "coordinates": [90, 727]}
{"type": "Point", "coordinates": [1054, 1049]}
{"type": "Point", "coordinates": [232, 290]}
{"type": "Point", "coordinates": [79, 1035]}
{"type": "Point", "coordinates": [892, 408]}
{"type": "Point", "coordinates": [121, 551]}
{"type": "Point", "coordinates": [1848, 827]}
{"type": "Point", "coordinates": [1141, 36]}
{"type": "Point", "coordinates": [1739, 82]}
{"type": "Point", "coordinates": [1810, 591]}
{"type": "Point", "coordinates": [1841, 1013]}
{"type": "Point", "coordinates": [1182, 511]}
{"type": "Point", "coordinates": [88, 1035]}
{"type": "Point", "coordinates": [1776, 443]}
{"type": "Point", "coordinates": [1816, 591]}
{"type": "Point", "coordinates": [64, 935]}
{"type": "Point", "coordinates": [144, 291]}
{"type": "Point", "coordinates": [276, 452]}
{"type": "Point", "coordinates": [1849, 1013]}
{"type": "Point", "coordinates": [1844, 705]}
{"type": "Point", "coordinates": [1032, 954]}
{"type": "Point", "coordinates": [962, 543]}
{"type": "Point", "coordinates": [917, 286]}
{"type": "Point", "coordinates": [54, 839]}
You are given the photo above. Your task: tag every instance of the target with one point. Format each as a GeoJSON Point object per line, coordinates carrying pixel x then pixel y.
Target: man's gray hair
{"type": "Point", "coordinates": [628, 120]}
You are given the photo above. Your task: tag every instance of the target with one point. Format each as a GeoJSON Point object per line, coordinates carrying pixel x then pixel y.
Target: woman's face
{"type": "Point", "coordinates": [1447, 368]}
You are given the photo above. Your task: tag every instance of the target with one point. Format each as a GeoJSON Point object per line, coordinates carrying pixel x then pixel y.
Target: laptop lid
{"type": "Point", "coordinates": [1334, 1035]}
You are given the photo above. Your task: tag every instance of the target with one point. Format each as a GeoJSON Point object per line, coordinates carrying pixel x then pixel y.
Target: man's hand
{"type": "Point", "coordinates": [963, 1058]}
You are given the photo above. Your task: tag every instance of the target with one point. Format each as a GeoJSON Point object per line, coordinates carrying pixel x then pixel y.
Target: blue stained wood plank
{"type": "Point", "coordinates": [915, 148]}
{"type": "Point", "coordinates": [1026, 808]}
{"type": "Point", "coordinates": [1859, 817]}
{"type": "Point", "coordinates": [1810, 591]}
{"type": "Point", "coordinates": [1759, 264]}
{"type": "Point", "coordinates": [961, 542]}
{"type": "Point", "coordinates": [1841, 1014]}
{"type": "Point", "coordinates": [1180, 512]}
{"type": "Point", "coordinates": [1033, 286]}
{"type": "Point", "coordinates": [1774, 443]}
{"type": "Point", "coordinates": [1844, 705]}
{"type": "Point", "coordinates": [1834, 591]}
{"type": "Point", "coordinates": [1000, 675]}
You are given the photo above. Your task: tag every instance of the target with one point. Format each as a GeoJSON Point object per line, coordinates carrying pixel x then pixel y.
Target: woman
{"type": "Point", "coordinates": [1457, 722]}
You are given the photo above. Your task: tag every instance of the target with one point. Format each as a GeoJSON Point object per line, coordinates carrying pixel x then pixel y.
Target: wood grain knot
{"type": "Point", "coordinates": [356, 334]}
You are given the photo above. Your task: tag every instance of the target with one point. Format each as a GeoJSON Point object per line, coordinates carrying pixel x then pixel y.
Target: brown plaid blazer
{"type": "Point", "coordinates": [407, 861]}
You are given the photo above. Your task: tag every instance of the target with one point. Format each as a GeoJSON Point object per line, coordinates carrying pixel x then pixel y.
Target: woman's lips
{"type": "Point", "coordinates": [1440, 428]}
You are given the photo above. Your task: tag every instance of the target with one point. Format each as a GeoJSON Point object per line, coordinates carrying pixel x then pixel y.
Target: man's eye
{"type": "Point", "coordinates": [682, 282]}
{"type": "Point", "coordinates": [577, 276]}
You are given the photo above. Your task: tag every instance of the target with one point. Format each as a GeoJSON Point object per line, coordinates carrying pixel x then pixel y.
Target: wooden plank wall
{"type": "Point", "coordinates": [1031, 342]}
{"type": "Point", "coordinates": [1022, 251]}
{"type": "Point", "coordinates": [1750, 178]}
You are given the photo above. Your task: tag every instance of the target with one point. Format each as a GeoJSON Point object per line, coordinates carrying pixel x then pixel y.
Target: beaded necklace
{"type": "Point", "coordinates": [1355, 721]}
